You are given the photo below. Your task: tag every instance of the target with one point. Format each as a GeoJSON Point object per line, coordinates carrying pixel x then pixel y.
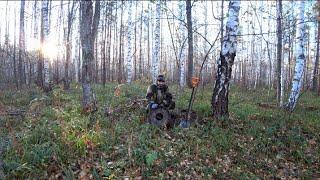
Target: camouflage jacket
{"type": "Point", "coordinates": [158, 95]}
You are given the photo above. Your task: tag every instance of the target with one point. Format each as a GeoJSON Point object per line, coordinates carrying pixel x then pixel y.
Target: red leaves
{"type": "Point", "coordinates": [90, 145]}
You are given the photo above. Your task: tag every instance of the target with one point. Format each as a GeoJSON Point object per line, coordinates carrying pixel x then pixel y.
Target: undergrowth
{"type": "Point", "coordinates": [54, 139]}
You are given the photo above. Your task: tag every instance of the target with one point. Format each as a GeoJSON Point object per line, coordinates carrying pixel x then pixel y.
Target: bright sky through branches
{"type": "Point", "coordinates": [55, 49]}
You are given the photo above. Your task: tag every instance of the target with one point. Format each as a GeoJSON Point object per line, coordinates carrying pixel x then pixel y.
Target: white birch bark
{"type": "Point", "coordinates": [282, 82]}
{"type": "Point", "coordinates": [182, 54]}
{"type": "Point", "coordinates": [129, 55]}
{"type": "Point", "coordinates": [300, 59]}
{"type": "Point", "coordinates": [220, 99]}
{"type": "Point", "coordinates": [45, 29]}
{"type": "Point", "coordinates": [21, 73]}
{"type": "Point", "coordinates": [279, 53]}
{"type": "Point", "coordinates": [89, 28]}
{"type": "Point", "coordinates": [156, 48]}
{"type": "Point", "coordinates": [36, 14]}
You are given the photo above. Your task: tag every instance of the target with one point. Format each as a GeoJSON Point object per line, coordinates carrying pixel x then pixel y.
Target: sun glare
{"type": "Point", "coordinates": [33, 44]}
{"type": "Point", "coordinates": [49, 49]}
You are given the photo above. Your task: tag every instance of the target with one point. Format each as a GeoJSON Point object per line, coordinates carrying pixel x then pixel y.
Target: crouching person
{"type": "Point", "coordinates": [158, 95]}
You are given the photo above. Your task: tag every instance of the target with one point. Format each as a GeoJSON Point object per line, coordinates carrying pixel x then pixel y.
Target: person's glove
{"type": "Point", "coordinates": [150, 103]}
{"type": "Point", "coordinates": [154, 106]}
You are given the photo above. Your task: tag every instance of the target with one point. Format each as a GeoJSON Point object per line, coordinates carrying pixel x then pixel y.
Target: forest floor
{"type": "Point", "coordinates": [47, 136]}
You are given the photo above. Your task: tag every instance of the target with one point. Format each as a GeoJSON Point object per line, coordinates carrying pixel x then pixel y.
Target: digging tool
{"type": "Point", "coordinates": [196, 80]}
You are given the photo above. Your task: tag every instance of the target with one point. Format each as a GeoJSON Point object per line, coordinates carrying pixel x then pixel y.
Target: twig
{"type": "Point", "coordinates": [174, 48]}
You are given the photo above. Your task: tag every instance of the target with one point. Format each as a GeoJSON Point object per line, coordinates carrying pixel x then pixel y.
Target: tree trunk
{"type": "Point", "coordinates": [221, 23]}
{"type": "Point", "coordinates": [14, 54]}
{"type": "Point", "coordinates": [148, 41]}
{"type": "Point", "coordinates": [135, 43]}
{"type": "Point", "coordinates": [115, 43]}
{"type": "Point", "coordinates": [129, 36]}
{"type": "Point", "coordinates": [120, 47]}
{"type": "Point", "coordinates": [79, 59]}
{"type": "Point", "coordinates": [279, 52]}
{"type": "Point", "coordinates": [45, 34]}
{"type": "Point", "coordinates": [68, 46]}
{"type": "Point", "coordinates": [109, 43]}
{"type": "Point", "coordinates": [306, 82]}
{"type": "Point", "coordinates": [190, 42]}
{"type": "Point", "coordinates": [316, 63]}
{"type": "Point", "coordinates": [300, 59]}
{"type": "Point", "coordinates": [88, 32]}
{"type": "Point", "coordinates": [156, 48]}
{"type": "Point", "coordinates": [220, 97]}
{"type": "Point", "coordinates": [182, 55]}
{"type": "Point", "coordinates": [96, 62]}
{"type": "Point", "coordinates": [43, 67]}
{"type": "Point", "coordinates": [103, 46]}
{"type": "Point", "coordinates": [21, 72]}
{"type": "Point", "coordinates": [140, 43]}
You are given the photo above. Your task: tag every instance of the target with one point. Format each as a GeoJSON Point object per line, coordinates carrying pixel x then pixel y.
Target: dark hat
{"type": "Point", "coordinates": [160, 78]}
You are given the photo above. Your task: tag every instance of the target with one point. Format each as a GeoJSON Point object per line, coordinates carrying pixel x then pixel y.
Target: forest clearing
{"type": "Point", "coordinates": [159, 89]}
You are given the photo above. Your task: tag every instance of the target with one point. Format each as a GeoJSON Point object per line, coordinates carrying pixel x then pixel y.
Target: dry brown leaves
{"type": "Point", "coordinates": [85, 171]}
{"type": "Point", "coordinates": [91, 107]}
{"type": "Point", "coordinates": [267, 105]}
{"type": "Point", "coordinates": [2, 109]}
{"type": "Point", "coordinates": [195, 81]}
{"type": "Point", "coordinates": [117, 91]}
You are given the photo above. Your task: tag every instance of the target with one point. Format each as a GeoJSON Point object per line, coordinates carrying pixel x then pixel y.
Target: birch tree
{"type": "Point", "coordinates": [135, 42]}
{"type": "Point", "coordinates": [115, 50]}
{"type": "Point", "coordinates": [110, 19]}
{"type": "Point", "coordinates": [129, 55]}
{"type": "Point", "coordinates": [141, 72]}
{"type": "Point", "coordinates": [221, 23]}
{"type": "Point", "coordinates": [190, 42]}
{"type": "Point", "coordinates": [300, 59]}
{"type": "Point", "coordinates": [316, 63]}
{"type": "Point", "coordinates": [279, 52]}
{"type": "Point", "coordinates": [45, 35]}
{"type": "Point", "coordinates": [68, 44]}
{"type": "Point", "coordinates": [88, 32]}
{"type": "Point", "coordinates": [39, 81]}
{"type": "Point", "coordinates": [120, 46]}
{"type": "Point", "coordinates": [43, 78]}
{"type": "Point", "coordinates": [103, 46]}
{"type": "Point", "coordinates": [156, 48]}
{"type": "Point", "coordinates": [14, 54]}
{"type": "Point", "coordinates": [21, 71]}
{"type": "Point", "coordinates": [182, 55]}
{"type": "Point", "coordinates": [220, 97]}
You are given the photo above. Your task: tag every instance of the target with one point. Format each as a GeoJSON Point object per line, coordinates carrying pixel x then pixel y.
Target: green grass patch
{"type": "Point", "coordinates": [255, 142]}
